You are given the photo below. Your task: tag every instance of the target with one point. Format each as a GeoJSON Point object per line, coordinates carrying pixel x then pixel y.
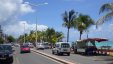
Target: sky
{"type": "Point", "coordinates": [15, 13]}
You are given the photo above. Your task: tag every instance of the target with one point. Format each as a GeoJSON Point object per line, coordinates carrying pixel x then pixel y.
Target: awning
{"type": "Point", "coordinates": [94, 39]}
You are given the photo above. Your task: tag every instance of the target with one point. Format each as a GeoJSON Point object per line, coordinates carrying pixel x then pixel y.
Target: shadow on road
{"type": "Point", "coordinates": [4, 63]}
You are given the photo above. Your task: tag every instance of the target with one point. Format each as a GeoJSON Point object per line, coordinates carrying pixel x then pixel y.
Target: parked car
{"type": "Point", "coordinates": [46, 45]}
{"type": "Point", "coordinates": [29, 44]}
{"type": "Point", "coordinates": [40, 46]}
{"type": "Point", "coordinates": [17, 45]}
{"type": "Point", "coordinates": [61, 48]}
{"type": "Point", "coordinates": [24, 48]}
{"type": "Point", "coordinates": [6, 53]}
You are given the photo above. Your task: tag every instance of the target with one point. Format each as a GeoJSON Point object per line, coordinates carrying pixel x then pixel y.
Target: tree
{"type": "Point", "coordinates": [59, 35]}
{"type": "Point", "coordinates": [68, 18]}
{"type": "Point", "coordinates": [10, 38]}
{"type": "Point", "coordinates": [108, 7]}
{"type": "Point", "coordinates": [82, 23]}
{"type": "Point", "coordinates": [1, 40]}
{"type": "Point", "coordinates": [49, 34]}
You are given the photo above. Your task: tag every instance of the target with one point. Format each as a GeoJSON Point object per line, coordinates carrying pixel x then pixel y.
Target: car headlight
{"type": "Point", "coordinates": [10, 55]}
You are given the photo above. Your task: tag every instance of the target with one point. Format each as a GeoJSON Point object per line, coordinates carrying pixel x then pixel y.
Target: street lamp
{"type": "Point", "coordinates": [36, 5]}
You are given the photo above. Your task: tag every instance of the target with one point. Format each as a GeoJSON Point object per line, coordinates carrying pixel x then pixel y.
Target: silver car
{"type": "Point", "coordinates": [40, 46]}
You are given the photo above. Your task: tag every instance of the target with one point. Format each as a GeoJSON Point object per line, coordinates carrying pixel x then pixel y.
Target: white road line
{"type": "Point", "coordinates": [49, 58]}
{"type": "Point", "coordinates": [17, 60]}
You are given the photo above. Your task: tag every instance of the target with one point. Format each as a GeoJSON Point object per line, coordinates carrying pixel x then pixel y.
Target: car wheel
{"type": "Point", "coordinates": [58, 53]}
{"type": "Point", "coordinates": [52, 52]}
{"type": "Point", "coordinates": [21, 52]}
{"type": "Point", "coordinates": [10, 60]}
{"type": "Point", "coordinates": [68, 54]}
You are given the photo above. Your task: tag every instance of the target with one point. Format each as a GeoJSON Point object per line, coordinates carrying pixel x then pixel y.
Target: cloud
{"type": "Point", "coordinates": [11, 9]}
{"type": "Point", "coordinates": [18, 29]}
{"type": "Point", "coordinates": [94, 29]}
{"type": "Point", "coordinates": [110, 27]}
{"type": "Point", "coordinates": [26, 8]}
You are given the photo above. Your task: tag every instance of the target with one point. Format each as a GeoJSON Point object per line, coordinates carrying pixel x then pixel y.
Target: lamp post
{"type": "Point", "coordinates": [36, 16]}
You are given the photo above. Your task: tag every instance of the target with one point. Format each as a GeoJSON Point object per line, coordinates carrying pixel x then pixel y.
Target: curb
{"type": "Point", "coordinates": [52, 57]}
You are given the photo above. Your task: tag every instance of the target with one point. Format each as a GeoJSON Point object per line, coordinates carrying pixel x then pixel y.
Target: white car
{"type": "Point", "coordinates": [40, 46]}
{"type": "Point", "coordinates": [61, 48]}
{"type": "Point", "coordinates": [29, 44]}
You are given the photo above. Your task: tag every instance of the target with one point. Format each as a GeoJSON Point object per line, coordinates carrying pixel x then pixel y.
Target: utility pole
{"type": "Point", "coordinates": [36, 31]}
{"type": "Point", "coordinates": [36, 17]}
{"type": "Point", "coordinates": [24, 33]}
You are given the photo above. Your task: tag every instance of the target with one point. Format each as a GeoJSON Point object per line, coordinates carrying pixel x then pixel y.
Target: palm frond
{"type": "Point", "coordinates": [107, 17]}
{"type": "Point", "coordinates": [71, 14]}
{"type": "Point", "coordinates": [106, 7]}
{"type": "Point", "coordinates": [68, 18]}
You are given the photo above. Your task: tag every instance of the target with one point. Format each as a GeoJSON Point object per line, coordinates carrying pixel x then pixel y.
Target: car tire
{"type": "Point", "coordinates": [53, 52]}
{"type": "Point", "coordinates": [10, 60]}
{"type": "Point", "coordinates": [68, 54]}
{"type": "Point", "coordinates": [58, 53]}
{"type": "Point", "coordinates": [21, 52]}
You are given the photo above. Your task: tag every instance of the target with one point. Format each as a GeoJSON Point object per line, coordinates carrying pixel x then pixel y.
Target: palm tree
{"type": "Point", "coordinates": [82, 23]}
{"type": "Point", "coordinates": [108, 7]}
{"type": "Point", "coordinates": [68, 18]}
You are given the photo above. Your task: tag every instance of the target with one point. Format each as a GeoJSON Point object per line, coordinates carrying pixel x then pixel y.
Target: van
{"type": "Point", "coordinates": [40, 46]}
{"type": "Point", "coordinates": [61, 48]}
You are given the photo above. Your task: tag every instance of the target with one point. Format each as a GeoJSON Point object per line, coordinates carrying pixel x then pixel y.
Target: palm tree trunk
{"type": "Point", "coordinates": [87, 36]}
{"type": "Point", "coordinates": [80, 35]}
{"type": "Point", "coordinates": [68, 35]}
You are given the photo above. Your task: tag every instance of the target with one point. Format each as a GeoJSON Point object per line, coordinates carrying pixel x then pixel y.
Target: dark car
{"type": "Point", "coordinates": [6, 54]}
{"type": "Point", "coordinates": [24, 48]}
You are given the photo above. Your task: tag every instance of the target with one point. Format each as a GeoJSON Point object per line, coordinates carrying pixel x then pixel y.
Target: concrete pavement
{"type": "Point", "coordinates": [84, 59]}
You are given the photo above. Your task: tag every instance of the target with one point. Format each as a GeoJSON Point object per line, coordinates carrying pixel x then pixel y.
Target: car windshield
{"type": "Point", "coordinates": [24, 46]}
{"type": "Point", "coordinates": [65, 45]}
{"type": "Point", "coordinates": [5, 47]}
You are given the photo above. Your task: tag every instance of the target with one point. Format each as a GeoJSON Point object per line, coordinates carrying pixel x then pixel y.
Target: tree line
{"type": "Point", "coordinates": [49, 35]}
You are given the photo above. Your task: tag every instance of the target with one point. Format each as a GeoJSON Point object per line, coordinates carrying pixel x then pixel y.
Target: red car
{"type": "Point", "coordinates": [24, 48]}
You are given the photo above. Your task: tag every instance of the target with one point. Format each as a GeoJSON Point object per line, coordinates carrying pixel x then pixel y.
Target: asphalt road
{"type": "Point", "coordinates": [84, 59]}
{"type": "Point", "coordinates": [31, 58]}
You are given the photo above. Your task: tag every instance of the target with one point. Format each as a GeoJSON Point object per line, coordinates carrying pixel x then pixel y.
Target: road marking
{"type": "Point", "coordinates": [49, 58]}
{"type": "Point", "coordinates": [17, 60]}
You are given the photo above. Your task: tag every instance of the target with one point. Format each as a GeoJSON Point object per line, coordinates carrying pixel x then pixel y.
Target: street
{"type": "Point", "coordinates": [83, 59]}
{"type": "Point", "coordinates": [31, 58]}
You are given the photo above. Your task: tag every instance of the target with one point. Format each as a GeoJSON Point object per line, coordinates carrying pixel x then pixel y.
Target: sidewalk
{"type": "Point", "coordinates": [83, 59]}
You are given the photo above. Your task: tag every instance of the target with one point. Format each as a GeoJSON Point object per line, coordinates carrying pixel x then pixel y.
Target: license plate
{"type": "Point", "coordinates": [65, 50]}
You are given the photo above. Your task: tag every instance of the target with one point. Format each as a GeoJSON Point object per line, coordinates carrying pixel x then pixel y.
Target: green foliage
{"type": "Point", "coordinates": [82, 23]}
{"type": "Point", "coordinates": [1, 40]}
{"type": "Point", "coordinates": [108, 7]}
{"type": "Point", "coordinates": [10, 39]}
{"type": "Point", "coordinates": [50, 35]}
{"type": "Point", "coordinates": [68, 18]}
